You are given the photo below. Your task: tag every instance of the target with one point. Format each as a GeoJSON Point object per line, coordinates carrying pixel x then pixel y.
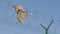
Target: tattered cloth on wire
{"type": "Point", "coordinates": [22, 14]}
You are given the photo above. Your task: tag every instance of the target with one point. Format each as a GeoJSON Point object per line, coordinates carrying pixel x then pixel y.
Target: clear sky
{"type": "Point", "coordinates": [42, 13]}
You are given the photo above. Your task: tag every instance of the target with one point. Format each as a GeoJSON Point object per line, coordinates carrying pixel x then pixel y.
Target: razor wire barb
{"type": "Point", "coordinates": [46, 29]}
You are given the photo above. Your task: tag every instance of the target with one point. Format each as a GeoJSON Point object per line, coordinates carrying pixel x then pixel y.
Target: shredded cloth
{"type": "Point", "coordinates": [21, 13]}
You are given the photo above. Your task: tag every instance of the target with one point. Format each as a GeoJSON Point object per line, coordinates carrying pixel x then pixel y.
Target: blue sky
{"type": "Point", "coordinates": [42, 13]}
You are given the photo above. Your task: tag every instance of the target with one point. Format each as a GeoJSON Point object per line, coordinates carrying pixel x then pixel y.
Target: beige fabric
{"type": "Point", "coordinates": [22, 15]}
{"type": "Point", "coordinates": [18, 7]}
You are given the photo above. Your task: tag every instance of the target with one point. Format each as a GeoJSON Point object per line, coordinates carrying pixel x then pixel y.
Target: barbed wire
{"type": "Point", "coordinates": [9, 31]}
{"type": "Point", "coordinates": [13, 23]}
{"type": "Point", "coordinates": [25, 26]}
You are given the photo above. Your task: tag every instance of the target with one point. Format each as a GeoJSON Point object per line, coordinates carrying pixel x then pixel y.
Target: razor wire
{"type": "Point", "coordinates": [25, 26]}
